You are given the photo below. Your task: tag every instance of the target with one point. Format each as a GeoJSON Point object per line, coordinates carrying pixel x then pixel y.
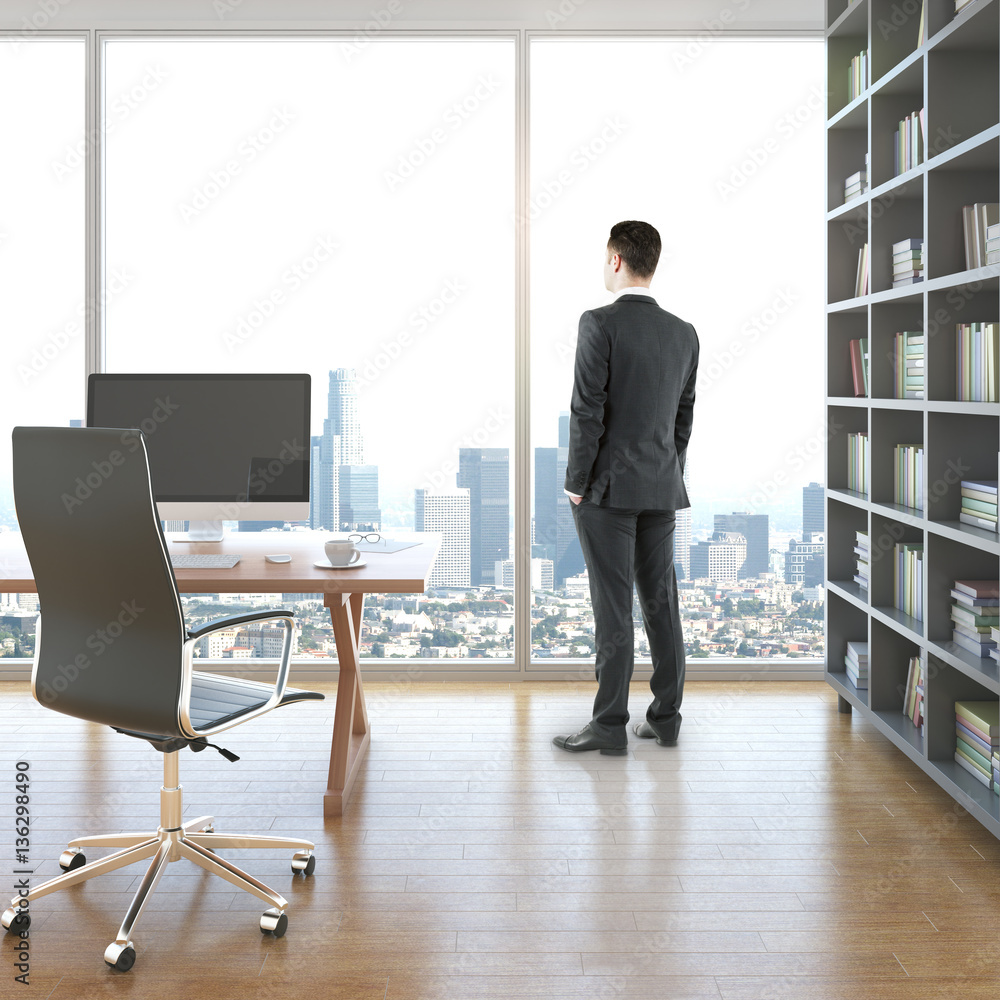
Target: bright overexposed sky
{"type": "Point", "coordinates": [288, 205]}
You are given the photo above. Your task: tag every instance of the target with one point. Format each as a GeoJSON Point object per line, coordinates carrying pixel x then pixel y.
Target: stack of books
{"type": "Point", "coordinates": [922, 27]}
{"type": "Point", "coordinates": [861, 577]}
{"type": "Point", "coordinates": [996, 770]}
{"type": "Point", "coordinates": [979, 503]}
{"type": "Point", "coordinates": [857, 76]}
{"type": "Point", "coordinates": [977, 220]}
{"type": "Point", "coordinates": [977, 737]}
{"type": "Point", "coordinates": [855, 185]}
{"type": "Point", "coordinates": [859, 365]}
{"type": "Point", "coordinates": [907, 262]}
{"type": "Point", "coordinates": [857, 462]}
{"type": "Point", "coordinates": [908, 475]}
{"type": "Point", "coordinates": [974, 614]}
{"type": "Point", "coordinates": [908, 360]}
{"type": "Point", "coordinates": [861, 283]}
{"type": "Point", "coordinates": [908, 579]}
{"type": "Point", "coordinates": [856, 662]}
{"type": "Point", "coordinates": [977, 352]}
{"type": "Point", "coordinates": [913, 695]}
{"type": "Point", "coordinates": [993, 244]}
{"type": "Point", "coordinates": [911, 138]}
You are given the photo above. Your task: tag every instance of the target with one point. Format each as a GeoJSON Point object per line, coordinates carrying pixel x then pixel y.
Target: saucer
{"type": "Point", "coordinates": [326, 564]}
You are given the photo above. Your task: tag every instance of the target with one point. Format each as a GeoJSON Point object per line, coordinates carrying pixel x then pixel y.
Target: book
{"type": "Point", "coordinates": [979, 649]}
{"type": "Point", "coordinates": [861, 284]}
{"type": "Point", "coordinates": [977, 521]}
{"type": "Point", "coordinates": [979, 588]}
{"type": "Point", "coordinates": [972, 602]}
{"type": "Point", "coordinates": [974, 619]}
{"type": "Point", "coordinates": [974, 740]}
{"type": "Point", "coordinates": [859, 365]}
{"type": "Point", "coordinates": [977, 772]}
{"type": "Point", "coordinates": [984, 716]}
{"type": "Point", "coordinates": [976, 219]}
{"type": "Point", "coordinates": [982, 760]}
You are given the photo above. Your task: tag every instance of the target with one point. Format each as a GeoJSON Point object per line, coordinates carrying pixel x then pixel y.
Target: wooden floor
{"type": "Point", "coordinates": [781, 850]}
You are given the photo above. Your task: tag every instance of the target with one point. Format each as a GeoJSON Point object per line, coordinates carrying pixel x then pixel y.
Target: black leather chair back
{"type": "Point", "coordinates": [111, 632]}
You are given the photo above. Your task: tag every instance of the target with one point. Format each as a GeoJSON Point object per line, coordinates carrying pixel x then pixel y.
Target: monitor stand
{"type": "Point", "coordinates": [202, 531]}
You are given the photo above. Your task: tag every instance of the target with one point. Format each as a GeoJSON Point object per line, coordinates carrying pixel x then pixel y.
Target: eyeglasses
{"type": "Point", "coordinates": [372, 536]}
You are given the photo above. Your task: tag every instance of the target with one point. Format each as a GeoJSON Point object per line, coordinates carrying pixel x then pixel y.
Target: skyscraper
{"type": "Point", "coordinates": [446, 511]}
{"type": "Point", "coordinates": [340, 445]}
{"type": "Point", "coordinates": [359, 509]}
{"type": "Point", "coordinates": [754, 528]}
{"type": "Point", "coordinates": [485, 473]}
{"type": "Point", "coordinates": [682, 532]}
{"type": "Point", "coordinates": [813, 520]}
{"type": "Point", "coordinates": [555, 530]}
{"type": "Point", "coordinates": [719, 558]}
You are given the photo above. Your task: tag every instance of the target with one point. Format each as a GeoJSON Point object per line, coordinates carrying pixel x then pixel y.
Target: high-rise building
{"type": "Point", "coordinates": [342, 412]}
{"type": "Point", "coordinates": [341, 444]}
{"type": "Point", "coordinates": [754, 528]}
{"type": "Point", "coordinates": [541, 574]}
{"type": "Point", "coordinates": [485, 473]}
{"type": "Point", "coordinates": [804, 561]}
{"type": "Point", "coordinates": [446, 511]}
{"type": "Point", "coordinates": [358, 488]}
{"type": "Point", "coordinates": [555, 530]}
{"type": "Point", "coordinates": [682, 532]}
{"type": "Point", "coordinates": [813, 520]}
{"type": "Point", "coordinates": [719, 558]}
{"type": "Point", "coordinates": [564, 429]}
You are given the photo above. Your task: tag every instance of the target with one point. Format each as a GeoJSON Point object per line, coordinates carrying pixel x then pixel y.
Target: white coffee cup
{"type": "Point", "coordinates": [341, 552]}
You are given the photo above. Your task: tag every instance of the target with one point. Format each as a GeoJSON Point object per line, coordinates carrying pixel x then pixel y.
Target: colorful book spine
{"type": "Point", "coordinates": [977, 362]}
{"type": "Point", "coordinates": [857, 77]}
{"type": "Point", "coordinates": [910, 142]}
{"type": "Point", "coordinates": [908, 475]}
{"type": "Point", "coordinates": [859, 365]}
{"type": "Point", "coordinates": [908, 578]}
{"type": "Point", "coordinates": [908, 361]}
{"type": "Point", "coordinates": [861, 551]}
{"type": "Point", "coordinates": [977, 740]}
{"type": "Point", "coordinates": [857, 462]}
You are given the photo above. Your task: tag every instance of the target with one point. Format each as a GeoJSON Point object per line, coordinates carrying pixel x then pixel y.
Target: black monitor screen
{"type": "Point", "coordinates": [213, 437]}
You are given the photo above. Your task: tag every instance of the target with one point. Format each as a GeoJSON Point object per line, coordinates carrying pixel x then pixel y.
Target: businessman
{"type": "Point", "coordinates": [630, 421]}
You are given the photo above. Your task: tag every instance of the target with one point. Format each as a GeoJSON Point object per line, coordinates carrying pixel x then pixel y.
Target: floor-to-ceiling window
{"type": "Point", "coordinates": [344, 210]}
{"type": "Point", "coordinates": [347, 206]}
{"type": "Point", "coordinates": [42, 269]}
{"type": "Point", "coordinates": [719, 144]}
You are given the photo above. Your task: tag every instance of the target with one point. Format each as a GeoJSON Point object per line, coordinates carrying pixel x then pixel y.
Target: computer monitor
{"type": "Point", "coordinates": [221, 447]}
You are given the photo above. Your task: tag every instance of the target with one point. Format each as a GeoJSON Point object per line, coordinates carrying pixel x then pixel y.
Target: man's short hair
{"type": "Point", "coordinates": [638, 245]}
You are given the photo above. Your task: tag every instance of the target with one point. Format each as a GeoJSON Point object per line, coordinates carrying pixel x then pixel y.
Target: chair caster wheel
{"type": "Point", "coordinates": [304, 862]}
{"type": "Point", "coordinates": [273, 922]}
{"type": "Point", "coordinates": [120, 956]}
{"type": "Point", "coordinates": [72, 859]}
{"type": "Point", "coordinates": [15, 920]}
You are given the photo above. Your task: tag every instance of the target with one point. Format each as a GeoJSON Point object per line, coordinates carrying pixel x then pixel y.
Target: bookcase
{"type": "Point", "coordinates": [951, 69]}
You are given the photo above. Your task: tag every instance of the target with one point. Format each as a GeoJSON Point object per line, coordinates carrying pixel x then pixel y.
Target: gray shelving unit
{"type": "Point", "coordinates": [955, 75]}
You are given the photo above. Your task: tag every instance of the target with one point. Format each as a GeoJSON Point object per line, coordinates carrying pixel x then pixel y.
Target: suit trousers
{"type": "Point", "coordinates": [622, 547]}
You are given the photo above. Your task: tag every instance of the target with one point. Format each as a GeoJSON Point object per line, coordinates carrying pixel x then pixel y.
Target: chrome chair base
{"type": "Point", "coordinates": [173, 840]}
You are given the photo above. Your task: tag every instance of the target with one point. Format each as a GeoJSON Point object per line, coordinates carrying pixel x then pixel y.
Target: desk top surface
{"type": "Point", "coordinates": [403, 572]}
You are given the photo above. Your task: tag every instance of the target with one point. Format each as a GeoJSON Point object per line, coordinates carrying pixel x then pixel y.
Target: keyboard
{"type": "Point", "coordinates": [206, 560]}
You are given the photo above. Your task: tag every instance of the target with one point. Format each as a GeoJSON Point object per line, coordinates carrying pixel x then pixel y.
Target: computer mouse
{"type": "Point", "coordinates": [279, 557]}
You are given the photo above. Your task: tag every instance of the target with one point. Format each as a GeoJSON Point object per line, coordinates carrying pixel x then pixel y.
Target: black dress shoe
{"type": "Point", "coordinates": [587, 739]}
{"type": "Point", "coordinates": [645, 731]}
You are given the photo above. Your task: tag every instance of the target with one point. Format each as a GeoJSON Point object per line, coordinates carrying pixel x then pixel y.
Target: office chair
{"type": "Point", "coordinates": [111, 647]}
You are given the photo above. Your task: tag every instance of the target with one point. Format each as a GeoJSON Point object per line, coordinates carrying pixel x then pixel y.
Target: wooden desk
{"type": "Point", "coordinates": [343, 590]}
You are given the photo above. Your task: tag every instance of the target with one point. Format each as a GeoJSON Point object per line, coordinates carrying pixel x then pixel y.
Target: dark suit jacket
{"type": "Point", "coordinates": [633, 403]}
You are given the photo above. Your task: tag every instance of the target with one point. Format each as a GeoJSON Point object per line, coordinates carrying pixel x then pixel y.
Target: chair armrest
{"type": "Point", "coordinates": [217, 624]}
{"type": "Point", "coordinates": [187, 727]}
